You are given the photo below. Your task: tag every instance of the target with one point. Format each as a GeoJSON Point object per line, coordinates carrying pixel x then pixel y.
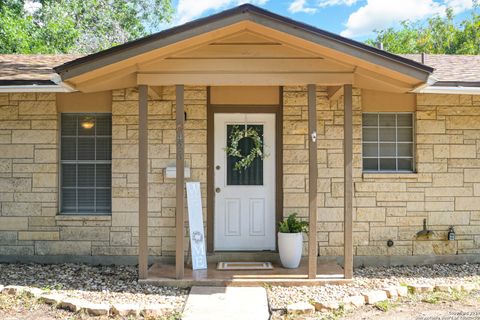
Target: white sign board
{"type": "Point", "coordinates": [195, 221]}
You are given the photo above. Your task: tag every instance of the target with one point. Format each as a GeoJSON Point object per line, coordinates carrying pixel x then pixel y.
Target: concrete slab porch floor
{"type": "Point", "coordinates": [328, 273]}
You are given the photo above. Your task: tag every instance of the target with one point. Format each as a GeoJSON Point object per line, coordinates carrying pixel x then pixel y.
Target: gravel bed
{"type": "Point", "coordinates": [100, 284]}
{"type": "Point", "coordinates": [369, 278]}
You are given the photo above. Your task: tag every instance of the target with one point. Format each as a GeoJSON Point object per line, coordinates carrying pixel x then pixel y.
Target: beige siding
{"type": "Point", "coordinates": [85, 102]}
{"type": "Point", "coordinates": [228, 95]}
{"type": "Point", "coordinates": [378, 101]}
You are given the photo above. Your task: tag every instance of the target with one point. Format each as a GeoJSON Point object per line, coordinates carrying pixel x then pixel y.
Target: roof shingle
{"type": "Point", "coordinates": [36, 67]}
{"type": "Point", "coordinates": [461, 68]}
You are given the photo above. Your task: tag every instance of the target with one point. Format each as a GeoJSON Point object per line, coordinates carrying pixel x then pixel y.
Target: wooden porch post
{"type": "Point", "coordinates": [142, 181]}
{"type": "Point", "coordinates": [348, 182]}
{"type": "Point", "coordinates": [180, 182]}
{"type": "Point", "coordinates": [312, 178]}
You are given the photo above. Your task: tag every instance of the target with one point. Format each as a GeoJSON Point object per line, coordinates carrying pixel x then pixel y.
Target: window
{"type": "Point", "coordinates": [86, 163]}
{"type": "Point", "coordinates": [387, 142]}
{"type": "Point", "coordinates": [253, 175]}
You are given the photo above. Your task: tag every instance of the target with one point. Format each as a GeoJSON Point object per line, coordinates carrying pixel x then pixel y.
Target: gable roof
{"type": "Point", "coordinates": [245, 12]}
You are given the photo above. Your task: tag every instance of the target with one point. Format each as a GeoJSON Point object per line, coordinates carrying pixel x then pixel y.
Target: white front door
{"type": "Point", "coordinates": [244, 199]}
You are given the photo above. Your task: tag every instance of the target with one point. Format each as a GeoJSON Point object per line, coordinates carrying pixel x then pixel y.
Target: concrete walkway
{"type": "Point", "coordinates": [226, 303]}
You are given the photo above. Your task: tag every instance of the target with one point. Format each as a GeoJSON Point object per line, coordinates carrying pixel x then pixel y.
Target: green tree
{"type": "Point", "coordinates": [439, 35]}
{"type": "Point", "coordinates": [77, 26]}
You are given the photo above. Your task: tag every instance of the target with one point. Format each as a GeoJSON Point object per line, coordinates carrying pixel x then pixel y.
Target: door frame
{"type": "Point", "coordinates": [216, 108]}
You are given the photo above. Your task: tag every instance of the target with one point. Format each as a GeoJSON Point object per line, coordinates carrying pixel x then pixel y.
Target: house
{"type": "Point", "coordinates": [365, 144]}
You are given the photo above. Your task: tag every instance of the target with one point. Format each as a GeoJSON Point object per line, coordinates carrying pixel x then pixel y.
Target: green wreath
{"type": "Point", "coordinates": [233, 150]}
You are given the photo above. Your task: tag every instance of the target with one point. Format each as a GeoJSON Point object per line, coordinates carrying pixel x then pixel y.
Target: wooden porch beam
{"type": "Point", "coordinates": [312, 184]}
{"type": "Point", "coordinates": [143, 181]}
{"type": "Point", "coordinates": [180, 182]}
{"type": "Point", "coordinates": [262, 79]}
{"type": "Point", "coordinates": [348, 183]}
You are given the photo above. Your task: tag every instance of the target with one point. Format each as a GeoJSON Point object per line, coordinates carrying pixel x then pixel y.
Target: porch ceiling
{"type": "Point", "coordinates": [246, 46]}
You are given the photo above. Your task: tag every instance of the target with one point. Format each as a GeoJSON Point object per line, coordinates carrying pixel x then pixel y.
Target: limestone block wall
{"type": "Point", "coordinates": [29, 219]}
{"type": "Point", "coordinates": [28, 172]}
{"type": "Point", "coordinates": [162, 153]}
{"type": "Point", "coordinates": [389, 206]}
{"type": "Point", "coordinates": [329, 158]}
{"type": "Point", "coordinates": [444, 190]}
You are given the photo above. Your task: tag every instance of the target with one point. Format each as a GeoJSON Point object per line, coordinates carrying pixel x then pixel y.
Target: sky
{"type": "Point", "coordinates": [356, 19]}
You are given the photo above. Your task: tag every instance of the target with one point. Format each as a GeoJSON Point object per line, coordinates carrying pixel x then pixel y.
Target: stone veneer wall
{"type": "Point", "coordinates": [162, 144]}
{"type": "Point", "coordinates": [28, 172]}
{"type": "Point", "coordinates": [29, 220]}
{"type": "Point", "coordinates": [329, 158]}
{"type": "Point", "coordinates": [445, 190]}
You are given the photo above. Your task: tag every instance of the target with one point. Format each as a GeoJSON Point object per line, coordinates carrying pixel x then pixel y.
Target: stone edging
{"type": "Point", "coordinates": [94, 309]}
{"type": "Point", "coordinates": [374, 296]}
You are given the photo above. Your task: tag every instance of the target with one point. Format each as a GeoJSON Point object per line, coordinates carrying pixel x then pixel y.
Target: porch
{"type": "Point", "coordinates": [328, 272]}
{"type": "Point", "coordinates": [311, 271]}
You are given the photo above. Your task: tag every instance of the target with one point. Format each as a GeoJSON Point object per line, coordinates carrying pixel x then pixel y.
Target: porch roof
{"type": "Point", "coordinates": [245, 11]}
{"type": "Point", "coordinates": [351, 61]}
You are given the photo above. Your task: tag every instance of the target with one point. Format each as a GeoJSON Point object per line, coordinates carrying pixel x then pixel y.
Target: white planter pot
{"type": "Point", "coordinates": [290, 249]}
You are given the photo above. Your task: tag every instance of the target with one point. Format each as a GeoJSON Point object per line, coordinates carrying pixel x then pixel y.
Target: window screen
{"type": "Point", "coordinates": [86, 163]}
{"type": "Point", "coordinates": [387, 141]}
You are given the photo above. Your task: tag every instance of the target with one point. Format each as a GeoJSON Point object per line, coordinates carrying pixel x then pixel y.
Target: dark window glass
{"type": "Point", "coordinates": [388, 164]}
{"type": "Point", "coordinates": [253, 175]}
{"type": "Point", "coordinates": [86, 154]}
{"type": "Point", "coordinates": [69, 148]}
{"type": "Point", "coordinates": [370, 164]}
{"type": "Point", "coordinates": [386, 119]}
{"type": "Point", "coordinates": [370, 119]}
{"type": "Point", "coordinates": [405, 164]}
{"type": "Point", "coordinates": [370, 149]}
{"type": "Point", "coordinates": [387, 141]}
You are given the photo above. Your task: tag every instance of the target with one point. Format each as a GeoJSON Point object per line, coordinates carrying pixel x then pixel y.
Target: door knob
{"type": "Point", "coordinates": [217, 190]}
{"type": "Point", "coordinates": [217, 167]}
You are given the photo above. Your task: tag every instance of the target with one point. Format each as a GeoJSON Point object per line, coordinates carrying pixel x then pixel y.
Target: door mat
{"type": "Point", "coordinates": [244, 266]}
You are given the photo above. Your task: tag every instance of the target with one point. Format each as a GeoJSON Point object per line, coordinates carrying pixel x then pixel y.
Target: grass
{"type": "Point", "coordinates": [22, 301]}
{"type": "Point", "coordinates": [433, 298]}
{"type": "Point", "coordinates": [385, 305]}
{"type": "Point", "coordinates": [437, 297]}
{"type": "Point", "coordinates": [457, 295]}
{"type": "Point", "coordinates": [334, 315]}
{"type": "Point", "coordinates": [340, 312]}
{"type": "Point", "coordinates": [57, 286]}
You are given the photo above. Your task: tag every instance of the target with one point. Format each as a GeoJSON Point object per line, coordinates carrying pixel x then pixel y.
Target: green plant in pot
{"type": "Point", "coordinates": [290, 240]}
